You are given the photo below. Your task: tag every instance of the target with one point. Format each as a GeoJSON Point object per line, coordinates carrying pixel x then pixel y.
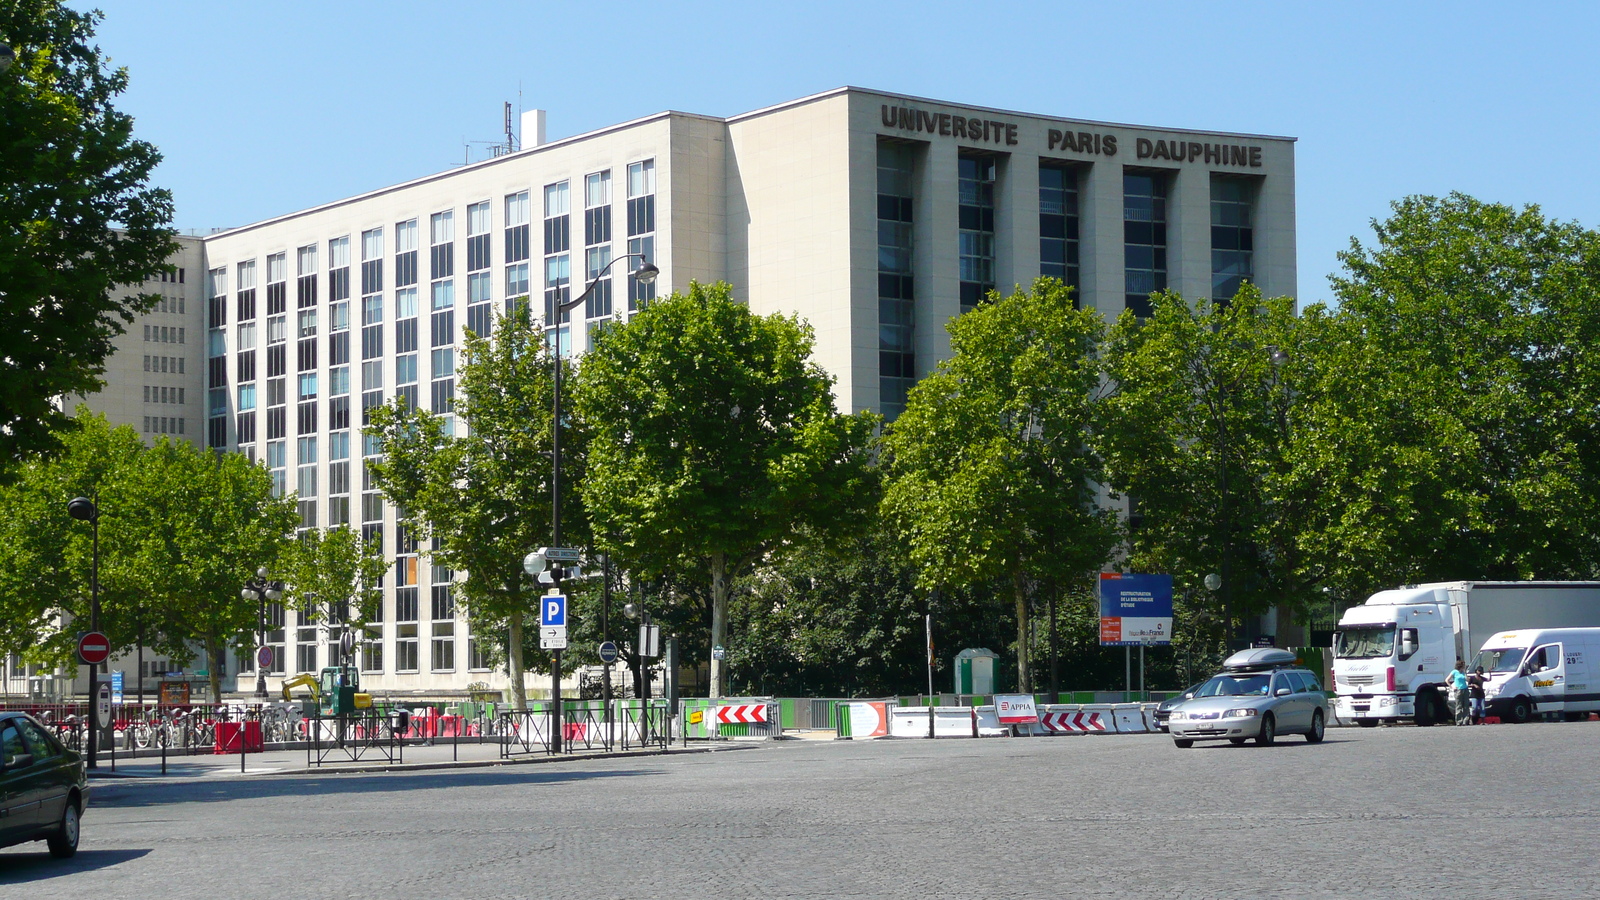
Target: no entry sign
{"type": "Point", "coordinates": [93, 648]}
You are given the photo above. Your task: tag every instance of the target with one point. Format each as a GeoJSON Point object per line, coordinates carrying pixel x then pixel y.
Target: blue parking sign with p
{"type": "Point", "coordinates": [553, 610]}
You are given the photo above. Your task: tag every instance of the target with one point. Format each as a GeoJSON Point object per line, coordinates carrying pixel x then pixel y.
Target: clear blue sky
{"type": "Point", "coordinates": [265, 108]}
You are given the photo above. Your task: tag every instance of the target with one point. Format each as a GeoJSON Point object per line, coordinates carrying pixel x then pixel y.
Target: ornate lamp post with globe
{"type": "Point", "coordinates": [261, 590]}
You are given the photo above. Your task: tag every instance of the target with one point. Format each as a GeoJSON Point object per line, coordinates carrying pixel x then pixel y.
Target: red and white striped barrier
{"type": "Point", "coordinates": [1072, 722]}
{"type": "Point", "coordinates": [742, 714]}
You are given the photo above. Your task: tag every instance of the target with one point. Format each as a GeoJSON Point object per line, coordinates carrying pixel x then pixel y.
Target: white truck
{"type": "Point", "coordinates": [1391, 654]}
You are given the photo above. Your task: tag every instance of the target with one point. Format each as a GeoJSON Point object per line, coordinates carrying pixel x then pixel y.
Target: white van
{"type": "Point", "coordinates": [1541, 670]}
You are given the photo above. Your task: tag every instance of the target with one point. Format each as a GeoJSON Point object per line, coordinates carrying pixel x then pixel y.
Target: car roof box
{"type": "Point", "coordinates": [1259, 658]}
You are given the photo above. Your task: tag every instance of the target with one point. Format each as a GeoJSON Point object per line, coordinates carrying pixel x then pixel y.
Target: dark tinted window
{"type": "Point", "coordinates": [10, 745]}
{"type": "Point", "coordinates": [38, 743]}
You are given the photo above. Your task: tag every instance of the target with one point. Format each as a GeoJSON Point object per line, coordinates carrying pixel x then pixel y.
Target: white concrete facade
{"type": "Point", "coordinates": [780, 202]}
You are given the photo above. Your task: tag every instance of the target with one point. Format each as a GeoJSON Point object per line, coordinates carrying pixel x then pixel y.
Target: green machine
{"type": "Point", "coordinates": [337, 692]}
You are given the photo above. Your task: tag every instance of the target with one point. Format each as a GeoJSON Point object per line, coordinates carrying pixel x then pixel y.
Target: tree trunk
{"type": "Point", "coordinates": [519, 691]}
{"type": "Point", "coordinates": [213, 671]}
{"type": "Point", "coordinates": [1024, 682]}
{"type": "Point", "coordinates": [719, 618]}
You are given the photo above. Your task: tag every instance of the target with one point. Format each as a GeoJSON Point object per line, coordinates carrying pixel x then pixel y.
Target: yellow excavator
{"type": "Point", "coordinates": [335, 692]}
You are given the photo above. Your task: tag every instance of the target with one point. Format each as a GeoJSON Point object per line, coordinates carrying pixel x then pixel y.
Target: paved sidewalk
{"type": "Point", "coordinates": [413, 756]}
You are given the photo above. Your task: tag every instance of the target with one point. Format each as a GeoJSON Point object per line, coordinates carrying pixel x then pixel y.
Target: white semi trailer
{"type": "Point", "coordinates": [1391, 654]}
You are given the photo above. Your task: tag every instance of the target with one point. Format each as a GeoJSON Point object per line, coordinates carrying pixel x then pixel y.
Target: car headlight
{"type": "Point", "coordinates": [1243, 711]}
{"type": "Point", "coordinates": [1176, 714]}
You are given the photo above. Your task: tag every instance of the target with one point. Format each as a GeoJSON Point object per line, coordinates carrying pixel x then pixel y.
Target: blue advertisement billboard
{"type": "Point", "coordinates": [1135, 609]}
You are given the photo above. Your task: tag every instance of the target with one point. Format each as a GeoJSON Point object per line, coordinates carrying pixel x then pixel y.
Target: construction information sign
{"type": "Point", "coordinates": [1135, 609]}
{"type": "Point", "coordinates": [1015, 709]}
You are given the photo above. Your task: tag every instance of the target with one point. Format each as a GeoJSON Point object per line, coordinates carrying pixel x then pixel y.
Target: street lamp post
{"type": "Point", "coordinates": [261, 590]}
{"type": "Point", "coordinates": [646, 273]}
{"type": "Point", "coordinates": [85, 510]}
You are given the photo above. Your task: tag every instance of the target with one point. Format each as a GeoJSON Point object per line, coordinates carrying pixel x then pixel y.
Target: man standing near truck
{"type": "Point", "coordinates": [1475, 688]}
{"type": "Point", "coordinates": [1457, 680]}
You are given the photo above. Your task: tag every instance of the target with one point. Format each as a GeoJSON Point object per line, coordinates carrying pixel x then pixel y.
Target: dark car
{"type": "Point", "coordinates": [43, 787]}
{"type": "Point", "coordinates": [1164, 711]}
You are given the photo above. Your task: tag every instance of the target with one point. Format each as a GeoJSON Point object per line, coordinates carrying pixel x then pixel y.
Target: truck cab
{"type": "Point", "coordinates": [1391, 655]}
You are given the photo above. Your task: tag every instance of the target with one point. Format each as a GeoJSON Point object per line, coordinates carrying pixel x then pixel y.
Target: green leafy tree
{"type": "Point", "coordinates": [46, 556]}
{"type": "Point", "coordinates": [713, 441]}
{"type": "Point", "coordinates": [483, 497]}
{"type": "Point", "coordinates": [80, 220]}
{"type": "Point", "coordinates": [1450, 423]}
{"type": "Point", "coordinates": [333, 575]}
{"type": "Point", "coordinates": [989, 475]}
{"type": "Point", "coordinates": [1196, 431]}
{"type": "Point", "coordinates": [180, 531]}
{"type": "Point", "coordinates": [205, 522]}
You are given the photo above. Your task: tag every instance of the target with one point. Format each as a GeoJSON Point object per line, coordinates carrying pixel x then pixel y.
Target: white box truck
{"type": "Point", "coordinates": [1542, 670]}
{"type": "Point", "coordinates": [1391, 653]}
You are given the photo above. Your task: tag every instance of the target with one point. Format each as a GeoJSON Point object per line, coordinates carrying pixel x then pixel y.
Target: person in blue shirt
{"type": "Point", "coordinates": [1456, 681]}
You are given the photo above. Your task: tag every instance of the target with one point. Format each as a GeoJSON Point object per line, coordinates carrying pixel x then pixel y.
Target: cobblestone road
{"type": "Point", "coordinates": [1444, 812]}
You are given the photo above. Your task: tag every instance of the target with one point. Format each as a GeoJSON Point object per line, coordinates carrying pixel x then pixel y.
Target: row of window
{"type": "Point", "coordinates": [164, 364]}
{"type": "Point", "coordinates": [164, 334]}
{"type": "Point", "coordinates": [163, 425]}
{"type": "Point", "coordinates": [1144, 243]}
{"type": "Point", "coordinates": [160, 393]}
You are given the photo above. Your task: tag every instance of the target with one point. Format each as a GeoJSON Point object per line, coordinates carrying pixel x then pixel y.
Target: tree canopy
{"type": "Point", "coordinates": [78, 219]}
{"type": "Point", "coordinates": [483, 496]}
{"type": "Point", "coordinates": [181, 529]}
{"type": "Point", "coordinates": [713, 440]}
{"type": "Point", "coordinates": [988, 471]}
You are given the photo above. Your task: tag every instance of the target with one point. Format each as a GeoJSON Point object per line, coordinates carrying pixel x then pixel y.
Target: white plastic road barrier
{"type": "Point", "coordinates": [1073, 719]}
{"type": "Point", "coordinates": [1129, 718]}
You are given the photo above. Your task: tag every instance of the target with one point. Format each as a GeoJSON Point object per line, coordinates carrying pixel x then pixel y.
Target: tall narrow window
{"type": "Point", "coordinates": [517, 253]}
{"type": "Point", "coordinates": [975, 215]}
{"type": "Point", "coordinates": [339, 270]}
{"type": "Point", "coordinates": [305, 285]}
{"type": "Point", "coordinates": [479, 276]}
{"type": "Point", "coordinates": [1232, 236]}
{"type": "Point", "coordinates": [1144, 247]}
{"type": "Point", "coordinates": [372, 261]}
{"type": "Point", "coordinates": [641, 229]}
{"type": "Point", "coordinates": [405, 253]}
{"type": "Point", "coordinates": [557, 264]}
{"type": "Point", "coordinates": [277, 284]}
{"type": "Point", "coordinates": [1058, 226]}
{"type": "Point", "coordinates": [246, 296]}
{"type": "Point", "coordinates": [897, 368]}
{"type": "Point", "coordinates": [442, 290]}
{"type": "Point", "coordinates": [217, 294]}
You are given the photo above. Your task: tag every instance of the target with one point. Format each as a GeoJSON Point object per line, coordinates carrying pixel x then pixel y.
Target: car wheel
{"type": "Point", "coordinates": [1182, 743]}
{"type": "Point", "coordinates": [1269, 731]}
{"type": "Point", "coordinates": [63, 842]}
{"type": "Point", "coordinates": [1237, 742]}
{"type": "Point", "coordinates": [1521, 710]}
{"type": "Point", "coordinates": [1367, 723]}
{"type": "Point", "coordinates": [1317, 728]}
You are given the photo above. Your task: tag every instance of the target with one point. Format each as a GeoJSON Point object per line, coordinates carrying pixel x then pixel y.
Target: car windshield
{"type": "Point", "coordinates": [1365, 643]}
{"type": "Point", "coordinates": [1235, 686]}
{"type": "Point", "coordinates": [1505, 659]}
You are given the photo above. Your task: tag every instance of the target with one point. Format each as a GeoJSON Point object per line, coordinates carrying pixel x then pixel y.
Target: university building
{"type": "Point", "coordinates": [876, 217]}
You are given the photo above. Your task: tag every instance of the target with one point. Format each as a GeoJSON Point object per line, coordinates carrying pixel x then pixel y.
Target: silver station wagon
{"type": "Point", "coordinates": [1260, 693]}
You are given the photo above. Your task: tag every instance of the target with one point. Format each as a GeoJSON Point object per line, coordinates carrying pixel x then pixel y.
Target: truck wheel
{"type": "Point", "coordinates": [1367, 723]}
{"type": "Point", "coordinates": [1521, 711]}
{"type": "Point", "coordinates": [1427, 714]}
